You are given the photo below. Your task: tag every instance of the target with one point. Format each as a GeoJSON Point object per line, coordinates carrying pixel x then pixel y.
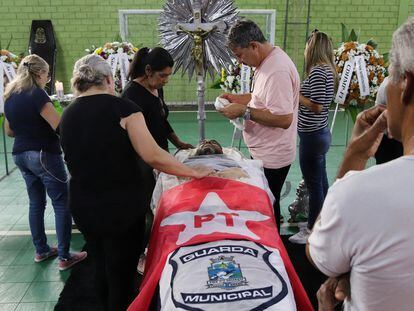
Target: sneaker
{"type": "Point", "coordinates": [65, 264]}
{"type": "Point", "coordinates": [302, 225]}
{"type": "Point", "coordinates": [53, 251]}
{"type": "Point", "coordinates": [141, 264]}
{"type": "Point", "coordinates": [301, 237]}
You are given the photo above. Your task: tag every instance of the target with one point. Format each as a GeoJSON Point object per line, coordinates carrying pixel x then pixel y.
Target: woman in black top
{"type": "Point", "coordinates": [148, 74]}
{"type": "Point", "coordinates": [102, 136]}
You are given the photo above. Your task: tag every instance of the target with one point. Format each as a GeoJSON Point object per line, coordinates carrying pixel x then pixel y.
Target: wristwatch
{"type": "Point", "coordinates": [246, 115]}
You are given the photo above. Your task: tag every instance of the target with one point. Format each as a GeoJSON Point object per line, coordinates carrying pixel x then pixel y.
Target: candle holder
{"type": "Point", "coordinates": [60, 94]}
{"type": "Point", "coordinates": [59, 90]}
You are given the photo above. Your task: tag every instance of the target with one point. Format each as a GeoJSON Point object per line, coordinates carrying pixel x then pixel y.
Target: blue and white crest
{"type": "Point", "coordinates": [225, 273]}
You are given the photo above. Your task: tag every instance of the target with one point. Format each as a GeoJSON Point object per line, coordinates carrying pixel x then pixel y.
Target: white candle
{"type": "Point", "coordinates": [59, 89]}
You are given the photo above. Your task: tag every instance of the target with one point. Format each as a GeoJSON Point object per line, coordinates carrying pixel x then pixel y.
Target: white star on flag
{"type": "Point", "coordinates": [213, 216]}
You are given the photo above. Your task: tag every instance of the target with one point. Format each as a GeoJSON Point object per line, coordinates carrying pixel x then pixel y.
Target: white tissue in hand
{"type": "Point", "coordinates": [221, 103]}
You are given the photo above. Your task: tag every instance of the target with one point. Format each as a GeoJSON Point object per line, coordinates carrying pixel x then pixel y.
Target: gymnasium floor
{"type": "Point", "coordinates": [25, 285]}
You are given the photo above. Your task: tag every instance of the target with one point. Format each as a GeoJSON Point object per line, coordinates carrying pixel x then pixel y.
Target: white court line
{"type": "Point", "coordinates": [27, 232]}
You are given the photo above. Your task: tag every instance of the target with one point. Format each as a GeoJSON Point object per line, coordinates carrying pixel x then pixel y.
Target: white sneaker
{"type": "Point", "coordinates": [302, 225]}
{"type": "Point", "coordinates": [141, 264]}
{"type": "Point", "coordinates": [301, 237]}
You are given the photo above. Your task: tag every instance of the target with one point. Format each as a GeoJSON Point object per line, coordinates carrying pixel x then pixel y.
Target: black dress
{"type": "Point", "coordinates": [105, 177]}
{"type": "Point", "coordinates": [155, 113]}
{"type": "Point", "coordinates": [154, 109]}
{"type": "Point", "coordinates": [105, 193]}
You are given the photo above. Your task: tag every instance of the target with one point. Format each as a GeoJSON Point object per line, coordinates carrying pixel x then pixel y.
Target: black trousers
{"type": "Point", "coordinates": [276, 178]}
{"type": "Point", "coordinates": [116, 259]}
{"type": "Point", "coordinates": [389, 149]}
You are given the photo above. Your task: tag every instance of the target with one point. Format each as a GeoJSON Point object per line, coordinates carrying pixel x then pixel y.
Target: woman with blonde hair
{"type": "Point", "coordinates": [316, 95]}
{"type": "Point", "coordinates": [32, 120]}
{"type": "Point", "coordinates": [104, 139]}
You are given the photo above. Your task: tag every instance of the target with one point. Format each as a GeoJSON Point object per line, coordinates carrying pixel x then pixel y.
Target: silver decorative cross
{"type": "Point", "coordinates": [199, 30]}
{"type": "Point", "coordinates": [194, 32]}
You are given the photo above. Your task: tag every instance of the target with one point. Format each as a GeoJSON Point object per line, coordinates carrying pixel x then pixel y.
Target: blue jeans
{"type": "Point", "coordinates": [45, 172]}
{"type": "Point", "coordinates": [313, 148]}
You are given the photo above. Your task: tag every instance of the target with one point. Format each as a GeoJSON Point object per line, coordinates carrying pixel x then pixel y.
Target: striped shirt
{"type": "Point", "coordinates": [319, 88]}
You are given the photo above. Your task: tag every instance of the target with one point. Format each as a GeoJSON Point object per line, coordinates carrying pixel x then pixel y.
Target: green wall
{"type": "Point", "coordinates": [80, 23]}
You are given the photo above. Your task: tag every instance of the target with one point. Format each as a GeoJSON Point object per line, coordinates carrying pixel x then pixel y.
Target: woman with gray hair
{"type": "Point", "coordinates": [104, 139]}
{"type": "Point", "coordinates": [32, 120]}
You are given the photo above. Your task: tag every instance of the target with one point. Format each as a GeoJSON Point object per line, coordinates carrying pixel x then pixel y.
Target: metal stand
{"type": "Point", "coordinates": [296, 22]}
{"type": "Point", "coordinates": [201, 114]}
{"type": "Point", "coordinates": [346, 127]}
{"type": "Point", "coordinates": [301, 203]}
{"type": "Point", "coordinates": [237, 135]}
{"type": "Point", "coordinates": [5, 149]}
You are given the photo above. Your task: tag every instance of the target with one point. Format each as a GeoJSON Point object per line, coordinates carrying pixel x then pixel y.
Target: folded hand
{"type": "Point", "coordinates": [332, 292]}
{"type": "Point", "coordinates": [368, 130]}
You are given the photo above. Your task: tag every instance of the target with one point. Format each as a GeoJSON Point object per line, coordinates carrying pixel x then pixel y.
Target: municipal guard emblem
{"type": "Point", "coordinates": [225, 273]}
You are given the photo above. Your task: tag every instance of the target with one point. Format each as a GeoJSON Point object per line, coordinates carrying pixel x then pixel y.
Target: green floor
{"type": "Point", "coordinates": [25, 285]}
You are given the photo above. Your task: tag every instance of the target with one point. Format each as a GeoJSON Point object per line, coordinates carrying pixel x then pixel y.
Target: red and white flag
{"type": "Point", "coordinates": [206, 210]}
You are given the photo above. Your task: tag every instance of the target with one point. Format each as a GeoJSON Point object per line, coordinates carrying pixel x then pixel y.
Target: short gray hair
{"type": "Point", "coordinates": [90, 70]}
{"type": "Point", "coordinates": [402, 50]}
{"type": "Point", "coordinates": [244, 32]}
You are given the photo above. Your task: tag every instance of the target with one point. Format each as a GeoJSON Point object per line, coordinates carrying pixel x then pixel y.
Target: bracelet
{"type": "Point", "coordinates": [246, 115]}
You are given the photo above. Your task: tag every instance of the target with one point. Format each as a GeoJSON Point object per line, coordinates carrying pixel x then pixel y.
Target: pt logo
{"type": "Point", "coordinates": [214, 216]}
{"type": "Point", "coordinates": [200, 219]}
{"type": "Point", "coordinates": [225, 273]}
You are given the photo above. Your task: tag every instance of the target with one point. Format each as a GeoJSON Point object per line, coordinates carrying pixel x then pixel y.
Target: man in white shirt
{"type": "Point", "coordinates": [365, 228]}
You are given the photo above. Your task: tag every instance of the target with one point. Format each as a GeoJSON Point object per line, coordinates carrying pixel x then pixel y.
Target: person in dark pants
{"type": "Point", "coordinates": [32, 120]}
{"type": "Point", "coordinates": [276, 179]}
{"type": "Point", "coordinates": [317, 92]}
{"type": "Point", "coordinates": [389, 148]}
{"type": "Point", "coordinates": [270, 111]}
{"type": "Point", "coordinates": [104, 138]}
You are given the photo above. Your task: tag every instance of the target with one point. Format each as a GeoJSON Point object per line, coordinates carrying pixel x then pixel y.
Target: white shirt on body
{"type": "Point", "coordinates": [367, 227]}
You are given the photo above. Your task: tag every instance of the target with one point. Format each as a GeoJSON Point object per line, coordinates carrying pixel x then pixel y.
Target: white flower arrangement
{"type": "Point", "coordinates": [375, 64]}
{"type": "Point", "coordinates": [115, 48]}
{"type": "Point", "coordinates": [10, 58]}
{"type": "Point", "coordinates": [231, 83]}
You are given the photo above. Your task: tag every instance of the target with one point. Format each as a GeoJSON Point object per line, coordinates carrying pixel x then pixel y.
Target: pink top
{"type": "Point", "coordinates": [276, 88]}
